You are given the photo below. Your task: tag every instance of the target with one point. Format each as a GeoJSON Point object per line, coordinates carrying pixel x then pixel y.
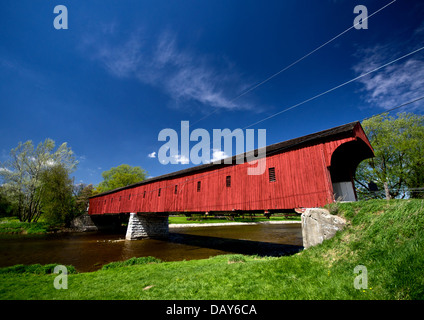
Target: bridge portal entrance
{"type": "Point", "coordinates": [344, 161]}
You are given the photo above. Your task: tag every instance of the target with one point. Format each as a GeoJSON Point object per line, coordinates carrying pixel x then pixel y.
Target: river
{"type": "Point", "coordinates": [89, 251]}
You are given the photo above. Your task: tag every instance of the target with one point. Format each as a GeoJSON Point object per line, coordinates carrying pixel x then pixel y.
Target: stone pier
{"type": "Point", "coordinates": [147, 225]}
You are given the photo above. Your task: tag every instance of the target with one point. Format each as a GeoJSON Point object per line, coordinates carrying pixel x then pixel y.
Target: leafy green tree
{"type": "Point", "coordinates": [82, 193]}
{"type": "Point", "coordinates": [21, 174]}
{"type": "Point", "coordinates": [120, 176]}
{"type": "Point", "coordinates": [6, 207]}
{"type": "Point", "coordinates": [415, 181]}
{"type": "Point", "coordinates": [57, 201]}
{"type": "Point", "coordinates": [398, 165]}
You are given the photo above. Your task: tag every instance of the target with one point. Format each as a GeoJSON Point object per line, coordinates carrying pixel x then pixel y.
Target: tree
{"type": "Point", "coordinates": [120, 176]}
{"type": "Point", "coordinates": [6, 206]}
{"type": "Point", "coordinates": [82, 193]}
{"type": "Point", "coordinates": [21, 174]}
{"type": "Point", "coordinates": [398, 165]}
{"type": "Point", "coordinates": [57, 201]}
{"type": "Point", "coordinates": [415, 181]}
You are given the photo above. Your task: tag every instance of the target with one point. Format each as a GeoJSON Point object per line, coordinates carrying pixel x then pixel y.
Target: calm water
{"type": "Point", "coordinates": [89, 251]}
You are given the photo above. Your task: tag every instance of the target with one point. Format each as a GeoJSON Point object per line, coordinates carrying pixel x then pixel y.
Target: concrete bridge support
{"type": "Point", "coordinates": [147, 225]}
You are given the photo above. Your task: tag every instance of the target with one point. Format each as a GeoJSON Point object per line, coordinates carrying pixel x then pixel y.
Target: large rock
{"type": "Point", "coordinates": [319, 225]}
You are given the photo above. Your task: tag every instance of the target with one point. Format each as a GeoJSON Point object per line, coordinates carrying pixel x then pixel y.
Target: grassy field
{"type": "Point", "coordinates": [385, 237]}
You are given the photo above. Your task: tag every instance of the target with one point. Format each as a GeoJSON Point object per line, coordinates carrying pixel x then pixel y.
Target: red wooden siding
{"type": "Point", "coordinates": [302, 179]}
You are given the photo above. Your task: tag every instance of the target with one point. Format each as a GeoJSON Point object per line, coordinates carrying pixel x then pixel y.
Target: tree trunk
{"type": "Point", "coordinates": [387, 191]}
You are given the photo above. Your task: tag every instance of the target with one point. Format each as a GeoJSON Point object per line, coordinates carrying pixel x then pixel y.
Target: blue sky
{"type": "Point", "coordinates": [125, 70]}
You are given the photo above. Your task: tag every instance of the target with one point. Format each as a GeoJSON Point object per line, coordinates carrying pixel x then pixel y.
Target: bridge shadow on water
{"type": "Point", "coordinates": [240, 246]}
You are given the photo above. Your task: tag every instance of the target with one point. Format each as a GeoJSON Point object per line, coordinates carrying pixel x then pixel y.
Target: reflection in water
{"type": "Point", "coordinates": [89, 251]}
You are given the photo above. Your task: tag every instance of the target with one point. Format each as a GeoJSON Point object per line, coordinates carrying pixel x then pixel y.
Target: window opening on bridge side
{"type": "Point", "coordinates": [271, 172]}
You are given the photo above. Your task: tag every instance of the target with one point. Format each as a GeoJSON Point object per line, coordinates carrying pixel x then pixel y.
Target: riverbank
{"type": "Point", "coordinates": [12, 225]}
{"type": "Point", "coordinates": [384, 238]}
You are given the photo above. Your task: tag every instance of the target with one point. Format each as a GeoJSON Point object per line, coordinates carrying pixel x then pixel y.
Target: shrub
{"type": "Point", "coordinates": [34, 269]}
{"type": "Point", "coordinates": [236, 258]}
{"type": "Point", "coordinates": [333, 208]}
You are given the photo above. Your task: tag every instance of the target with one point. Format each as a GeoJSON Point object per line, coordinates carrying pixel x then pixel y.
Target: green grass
{"type": "Point", "coordinates": [13, 225]}
{"type": "Point", "coordinates": [385, 237]}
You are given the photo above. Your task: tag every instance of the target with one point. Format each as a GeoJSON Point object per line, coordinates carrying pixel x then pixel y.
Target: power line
{"type": "Point", "coordinates": [400, 106]}
{"type": "Point", "coordinates": [321, 94]}
{"type": "Point", "coordinates": [216, 171]}
{"type": "Point", "coordinates": [334, 88]}
{"type": "Point", "coordinates": [337, 87]}
{"type": "Point", "coordinates": [297, 61]}
{"type": "Point", "coordinates": [313, 51]}
{"type": "Point", "coordinates": [220, 170]}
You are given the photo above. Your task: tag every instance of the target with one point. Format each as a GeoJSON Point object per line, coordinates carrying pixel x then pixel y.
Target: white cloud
{"type": "Point", "coordinates": [181, 159]}
{"type": "Point", "coordinates": [182, 75]}
{"type": "Point", "coordinates": [121, 61]}
{"type": "Point", "coordinates": [218, 155]}
{"type": "Point", "coordinates": [152, 155]}
{"type": "Point", "coordinates": [5, 170]}
{"type": "Point", "coordinates": [50, 163]}
{"type": "Point", "coordinates": [395, 84]}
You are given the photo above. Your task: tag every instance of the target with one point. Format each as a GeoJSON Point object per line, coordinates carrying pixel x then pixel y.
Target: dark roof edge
{"type": "Point", "coordinates": [270, 150]}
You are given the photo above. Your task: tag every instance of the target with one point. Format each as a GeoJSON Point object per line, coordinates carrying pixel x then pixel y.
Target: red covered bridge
{"type": "Point", "coordinates": [309, 171]}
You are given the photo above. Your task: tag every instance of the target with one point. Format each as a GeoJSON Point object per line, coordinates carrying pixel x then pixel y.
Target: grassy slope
{"type": "Point", "coordinates": [387, 238]}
